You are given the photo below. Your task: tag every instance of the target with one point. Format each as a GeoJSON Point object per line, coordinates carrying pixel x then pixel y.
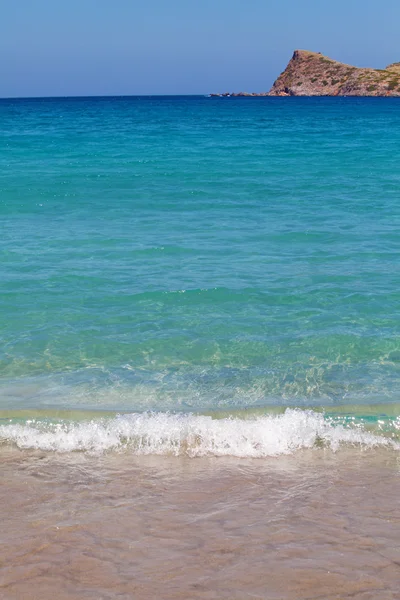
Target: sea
{"type": "Point", "coordinates": [199, 348]}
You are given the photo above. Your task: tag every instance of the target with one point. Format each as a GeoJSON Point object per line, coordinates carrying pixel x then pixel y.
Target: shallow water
{"type": "Point", "coordinates": [307, 526]}
{"type": "Point", "coordinates": [199, 254]}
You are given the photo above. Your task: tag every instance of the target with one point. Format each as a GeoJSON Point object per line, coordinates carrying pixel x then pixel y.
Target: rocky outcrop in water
{"type": "Point", "coordinates": [312, 74]}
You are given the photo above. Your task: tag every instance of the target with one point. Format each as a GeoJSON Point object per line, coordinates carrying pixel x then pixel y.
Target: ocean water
{"type": "Point", "coordinates": [200, 348]}
{"type": "Point", "coordinates": [198, 255]}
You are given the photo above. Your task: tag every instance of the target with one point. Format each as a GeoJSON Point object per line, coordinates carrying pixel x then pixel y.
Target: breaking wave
{"type": "Point", "coordinates": [197, 435]}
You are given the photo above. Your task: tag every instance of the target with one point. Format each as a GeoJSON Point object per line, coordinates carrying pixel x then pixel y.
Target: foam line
{"type": "Point", "coordinates": [193, 435]}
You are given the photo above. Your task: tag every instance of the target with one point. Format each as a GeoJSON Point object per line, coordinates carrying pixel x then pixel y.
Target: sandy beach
{"type": "Point", "coordinates": [305, 527]}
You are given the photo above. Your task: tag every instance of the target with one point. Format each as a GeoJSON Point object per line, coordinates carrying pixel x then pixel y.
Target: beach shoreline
{"type": "Point", "coordinates": [311, 525]}
{"type": "Point", "coordinates": [200, 357]}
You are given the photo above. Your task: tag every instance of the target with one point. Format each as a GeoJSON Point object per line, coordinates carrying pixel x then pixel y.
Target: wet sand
{"type": "Point", "coordinates": [316, 525]}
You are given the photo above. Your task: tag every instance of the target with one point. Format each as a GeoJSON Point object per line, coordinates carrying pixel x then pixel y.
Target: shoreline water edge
{"type": "Point", "coordinates": [200, 355]}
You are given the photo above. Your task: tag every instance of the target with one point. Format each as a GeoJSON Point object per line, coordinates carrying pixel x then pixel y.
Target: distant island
{"type": "Point", "coordinates": [313, 74]}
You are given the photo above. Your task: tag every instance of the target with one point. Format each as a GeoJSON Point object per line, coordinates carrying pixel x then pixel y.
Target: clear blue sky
{"type": "Point", "coordinates": [95, 47]}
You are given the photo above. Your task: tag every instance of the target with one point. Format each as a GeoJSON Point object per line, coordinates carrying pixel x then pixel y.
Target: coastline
{"type": "Point", "coordinates": [200, 367]}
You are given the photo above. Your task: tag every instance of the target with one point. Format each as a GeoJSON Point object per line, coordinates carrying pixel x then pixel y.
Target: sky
{"type": "Point", "coordinates": [134, 47]}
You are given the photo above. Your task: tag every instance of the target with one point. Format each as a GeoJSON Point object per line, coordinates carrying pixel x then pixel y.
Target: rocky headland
{"type": "Point", "coordinates": [313, 74]}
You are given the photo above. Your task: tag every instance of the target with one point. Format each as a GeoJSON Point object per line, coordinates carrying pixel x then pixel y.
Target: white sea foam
{"type": "Point", "coordinates": [193, 435]}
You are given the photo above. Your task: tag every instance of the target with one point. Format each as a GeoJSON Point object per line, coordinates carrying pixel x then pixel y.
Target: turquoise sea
{"type": "Point", "coordinates": [200, 276]}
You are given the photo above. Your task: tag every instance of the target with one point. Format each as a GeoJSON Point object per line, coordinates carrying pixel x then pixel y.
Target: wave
{"type": "Point", "coordinates": [198, 435]}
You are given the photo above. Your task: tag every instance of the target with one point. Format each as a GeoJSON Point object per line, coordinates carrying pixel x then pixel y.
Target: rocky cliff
{"type": "Point", "coordinates": [312, 74]}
